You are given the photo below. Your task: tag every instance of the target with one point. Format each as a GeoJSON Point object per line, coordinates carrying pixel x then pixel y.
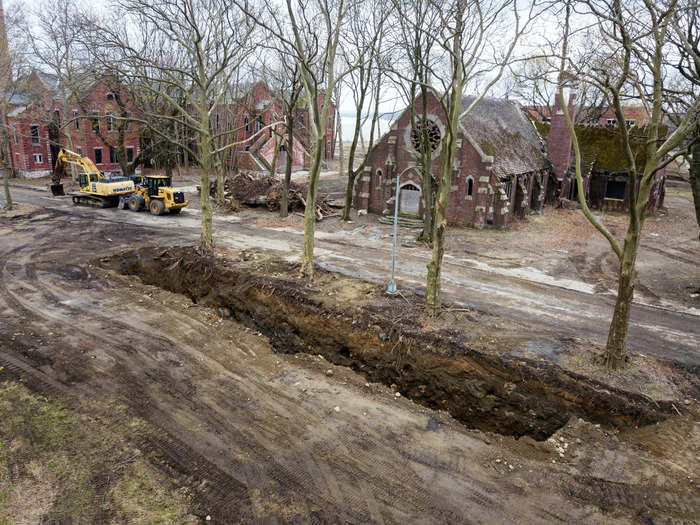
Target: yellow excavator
{"type": "Point", "coordinates": [156, 194]}
{"type": "Point", "coordinates": [96, 189]}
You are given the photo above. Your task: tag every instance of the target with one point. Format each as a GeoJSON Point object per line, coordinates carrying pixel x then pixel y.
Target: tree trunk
{"type": "Point", "coordinates": [433, 302]}
{"type": "Point", "coordinates": [695, 178]}
{"type": "Point", "coordinates": [339, 138]}
{"type": "Point", "coordinates": [219, 169]}
{"type": "Point", "coordinates": [426, 235]}
{"type": "Point", "coordinates": [275, 158]}
{"type": "Point", "coordinates": [348, 194]}
{"type": "Point", "coordinates": [432, 295]}
{"type": "Point", "coordinates": [307, 258]}
{"type": "Point", "coordinates": [284, 202]}
{"type": "Point", "coordinates": [205, 165]}
{"type": "Point", "coordinates": [6, 155]}
{"type": "Point", "coordinates": [617, 336]}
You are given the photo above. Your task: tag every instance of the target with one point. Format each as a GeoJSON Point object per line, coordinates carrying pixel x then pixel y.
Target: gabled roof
{"type": "Point", "coordinates": [502, 130]}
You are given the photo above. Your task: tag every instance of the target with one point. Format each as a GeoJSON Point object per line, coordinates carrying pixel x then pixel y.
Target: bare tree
{"type": "Point", "coordinates": [416, 20]}
{"type": "Point", "coordinates": [11, 67]}
{"type": "Point", "coordinates": [193, 47]}
{"type": "Point", "coordinates": [363, 54]}
{"type": "Point", "coordinates": [635, 37]}
{"type": "Point", "coordinates": [310, 36]}
{"type": "Point", "coordinates": [686, 61]}
{"type": "Point", "coordinates": [288, 88]}
{"type": "Point", "coordinates": [534, 82]}
{"type": "Point", "coordinates": [54, 34]}
{"type": "Point", "coordinates": [468, 32]}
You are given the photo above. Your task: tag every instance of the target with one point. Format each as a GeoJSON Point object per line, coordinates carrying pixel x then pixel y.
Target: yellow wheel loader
{"type": "Point", "coordinates": [96, 189]}
{"type": "Point", "coordinates": [156, 194]}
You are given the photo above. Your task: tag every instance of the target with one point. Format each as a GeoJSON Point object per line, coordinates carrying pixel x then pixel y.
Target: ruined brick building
{"type": "Point", "coordinates": [504, 167]}
{"type": "Point", "coordinates": [243, 121]}
{"type": "Point", "coordinates": [500, 170]}
{"type": "Point", "coordinates": [37, 128]}
{"type": "Point", "coordinates": [604, 166]}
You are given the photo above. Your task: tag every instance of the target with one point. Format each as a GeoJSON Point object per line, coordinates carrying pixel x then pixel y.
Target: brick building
{"type": "Point", "coordinates": [500, 171]}
{"type": "Point", "coordinates": [634, 115]}
{"type": "Point", "coordinates": [243, 122]}
{"type": "Point", "coordinates": [603, 164]}
{"type": "Point", "coordinates": [38, 129]}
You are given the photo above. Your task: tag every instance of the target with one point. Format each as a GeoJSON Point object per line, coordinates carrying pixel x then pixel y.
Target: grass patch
{"type": "Point", "coordinates": [62, 466]}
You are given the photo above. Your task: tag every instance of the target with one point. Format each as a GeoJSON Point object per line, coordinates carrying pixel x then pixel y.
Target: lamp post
{"type": "Point", "coordinates": [391, 289]}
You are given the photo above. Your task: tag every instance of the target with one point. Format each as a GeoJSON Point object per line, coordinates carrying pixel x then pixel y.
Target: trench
{"type": "Point", "coordinates": [505, 394]}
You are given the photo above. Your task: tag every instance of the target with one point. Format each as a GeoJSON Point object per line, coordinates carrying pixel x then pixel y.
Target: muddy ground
{"type": "Point", "coordinates": [260, 436]}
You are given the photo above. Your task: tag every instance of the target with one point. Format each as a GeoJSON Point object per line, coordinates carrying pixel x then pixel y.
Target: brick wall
{"type": "Point", "coordinates": [487, 202]}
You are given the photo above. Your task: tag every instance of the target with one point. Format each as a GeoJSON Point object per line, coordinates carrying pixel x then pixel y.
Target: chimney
{"type": "Point", "coordinates": [559, 138]}
{"type": "Point", "coordinates": [5, 70]}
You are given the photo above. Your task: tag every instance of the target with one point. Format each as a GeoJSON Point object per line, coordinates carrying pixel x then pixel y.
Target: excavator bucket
{"type": "Point", "coordinates": [57, 189]}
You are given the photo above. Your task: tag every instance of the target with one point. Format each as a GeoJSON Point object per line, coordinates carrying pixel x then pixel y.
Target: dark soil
{"type": "Point", "coordinates": [351, 323]}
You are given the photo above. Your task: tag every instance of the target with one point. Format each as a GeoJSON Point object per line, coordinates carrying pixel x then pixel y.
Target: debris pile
{"type": "Point", "coordinates": [267, 191]}
{"type": "Point", "coordinates": [296, 200]}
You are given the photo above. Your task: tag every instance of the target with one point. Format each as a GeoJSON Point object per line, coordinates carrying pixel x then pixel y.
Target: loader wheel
{"type": "Point", "coordinates": [175, 211]}
{"type": "Point", "coordinates": [157, 207]}
{"type": "Point", "coordinates": [135, 203]}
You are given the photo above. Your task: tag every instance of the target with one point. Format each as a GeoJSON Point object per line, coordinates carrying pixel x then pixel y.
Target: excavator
{"type": "Point", "coordinates": [96, 189]}
{"type": "Point", "coordinates": [156, 194]}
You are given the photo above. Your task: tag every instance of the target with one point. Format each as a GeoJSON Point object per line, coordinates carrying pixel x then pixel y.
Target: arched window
{"type": "Point", "coordinates": [470, 186]}
{"type": "Point", "coordinates": [246, 120]}
{"type": "Point", "coordinates": [379, 179]}
{"type": "Point", "coordinates": [301, 119]}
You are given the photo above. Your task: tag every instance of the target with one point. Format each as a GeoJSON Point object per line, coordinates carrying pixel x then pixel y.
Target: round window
{"type": "Point", "coordinates": [429, 131]}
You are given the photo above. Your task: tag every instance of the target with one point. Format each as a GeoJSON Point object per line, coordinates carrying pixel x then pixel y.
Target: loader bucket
{"type": "Point", "coordinates": [57, 189]}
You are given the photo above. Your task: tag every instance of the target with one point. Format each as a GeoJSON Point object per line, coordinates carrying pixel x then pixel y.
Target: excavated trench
{"type": "Point", "coordinates": [494, 392]}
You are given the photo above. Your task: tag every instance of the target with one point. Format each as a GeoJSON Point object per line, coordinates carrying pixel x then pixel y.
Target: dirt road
{"type": "Point", "coordinates": [564, 307]}
{"type": "Point", "coordinates": [272, 438]}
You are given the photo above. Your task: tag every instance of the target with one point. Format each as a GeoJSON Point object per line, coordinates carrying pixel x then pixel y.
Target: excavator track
{"type": "Point", "coordinates": [93, 201]}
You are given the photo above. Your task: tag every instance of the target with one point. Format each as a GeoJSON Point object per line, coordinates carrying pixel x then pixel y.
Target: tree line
{"type": "Point", "coordinates": [180, 61]}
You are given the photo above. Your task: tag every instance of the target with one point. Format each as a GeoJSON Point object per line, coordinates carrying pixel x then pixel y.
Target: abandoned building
{"type": "Point", "coordinates": [242, 123]}
{"type": "Point", "coordinates": [603, 116]}
{"type": "Point", "coordinates": [603, 165]}
{"type": "Point", "coordinates": [37, 128]}
{"type": "Point", "coordinates": [500, 171]}
{"type": "Point", "coordinates": [504, 169]}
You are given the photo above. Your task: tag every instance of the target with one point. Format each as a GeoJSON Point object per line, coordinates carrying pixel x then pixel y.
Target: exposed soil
{"type": "Point", "coordinates": [261, 436]}
{"type": "Point", "coordinates": [351, 323]}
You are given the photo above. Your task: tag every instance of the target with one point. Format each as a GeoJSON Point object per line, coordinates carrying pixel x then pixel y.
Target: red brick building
{"type": "Point", "coordinates": [38, 129]}
{"type": "Point", "coordinates": [500, 171]}
{"type": "Point", "coordinates": [634, 115]}
{"type": "Point", "coordinates": [244, 122]}
{"type": "Point", "coordinates": [604, 161]}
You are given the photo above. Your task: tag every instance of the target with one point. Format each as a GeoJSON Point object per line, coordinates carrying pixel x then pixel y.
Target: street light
{"type": "Point", "coordinates": [391, 289]}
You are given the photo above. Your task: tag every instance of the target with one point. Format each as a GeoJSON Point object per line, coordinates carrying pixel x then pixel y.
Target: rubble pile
{"type": "Point", "coordinates": [267, 191]}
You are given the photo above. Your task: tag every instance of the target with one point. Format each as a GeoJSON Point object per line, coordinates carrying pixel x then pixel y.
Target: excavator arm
{"type": "Point", "coordinates": [67, 158]}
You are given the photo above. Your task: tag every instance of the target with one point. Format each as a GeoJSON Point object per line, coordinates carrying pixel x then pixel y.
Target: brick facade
{"type": "Point", "coordinates": [35, 123]}
{"type": "Point", "coordinates": [242, 122]}
{"type": "Point", "coordinates": [481, 193]}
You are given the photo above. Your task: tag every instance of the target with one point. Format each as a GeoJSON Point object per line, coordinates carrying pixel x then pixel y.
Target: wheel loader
{"type": "Point", "coordinates": [156, 194]}
{"type": "Point", "coordinates": [95, 189]}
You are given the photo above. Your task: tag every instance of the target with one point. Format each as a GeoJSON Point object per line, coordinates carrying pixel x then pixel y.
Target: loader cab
{"type": "Point", "coordinates": [155, 182]}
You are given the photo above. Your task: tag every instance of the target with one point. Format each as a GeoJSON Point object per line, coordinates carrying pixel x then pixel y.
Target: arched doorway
{"type": "Point", "coordinates": [409, 199]}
